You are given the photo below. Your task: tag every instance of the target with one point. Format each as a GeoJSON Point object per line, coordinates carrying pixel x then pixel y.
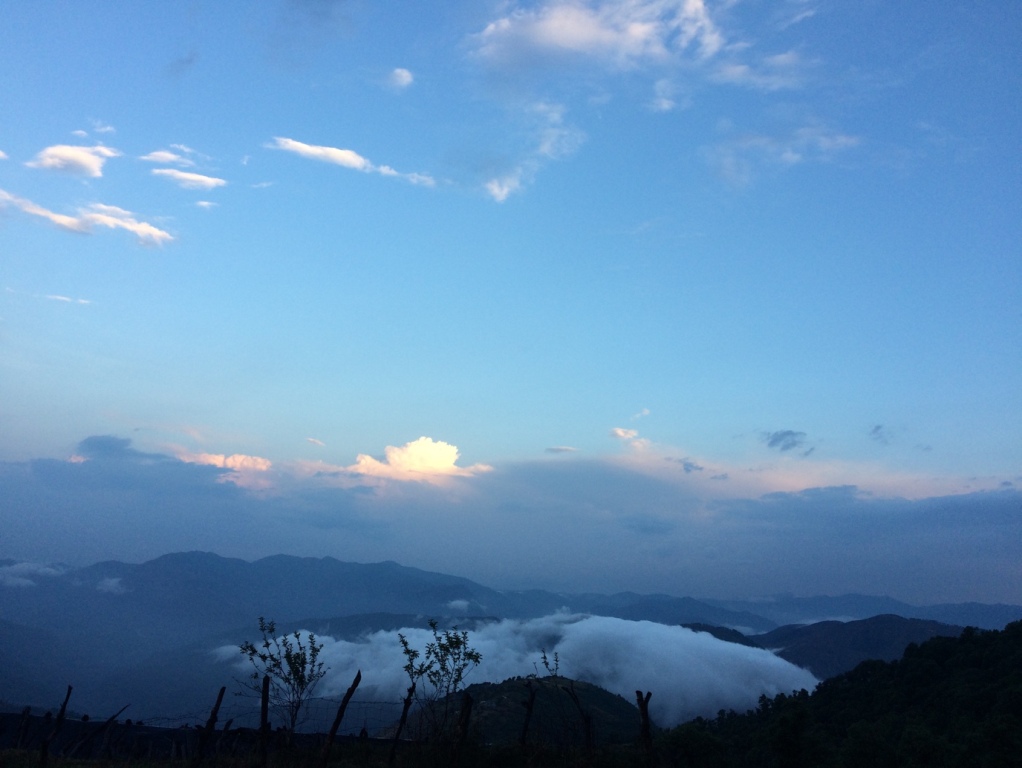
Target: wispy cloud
{"type": "Point", "coordinates": [622, 34]}
{"type": "Point", "coordinates": [187, 180]}
{"type": "Point", "coordinates": [561, 449]}
{"type": "Point", "coordinates": [739, 157]}
{"type": "Point", "coordinates": [82, 161]}
{"type": "Point", "coordinates": [206, 204]}
{"type": "Point", "coordinates": [346, 158]}
{"type": "Point", "coordinates": [620, 433]}
{"type": "Point", "coordinates": [784, 439]}
{"type": "Point", "coordinates": [880, 434]}
{"type": "Point", "coordinates": [773, 73]}
{"type": "Point", "coordinates": [314, 441]}
{"type": "Point", "coordinates": [3, 155]}
{"type": "Point", "coordinates": [401, 78]}
{"type": "Point", "coordinates": [166, 157]}
{"type": "Point", "coordinates": [554, 139]}
{"type": "Point", "coordinates": [66, 299]}
{"type": "Point", "coordinates": [95, 215]}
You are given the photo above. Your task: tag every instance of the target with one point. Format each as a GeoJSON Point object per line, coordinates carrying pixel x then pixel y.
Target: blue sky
{"type": "Point", "coordinates": [732, 249]}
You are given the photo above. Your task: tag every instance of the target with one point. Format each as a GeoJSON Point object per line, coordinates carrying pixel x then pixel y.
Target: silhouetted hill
{"type": "Point", "coordinates": [829, 648]}
{"type": "Point", "coordinates": [947, 702]}
{"type": "Point", "coordinates": [783, 610]}
{"type": "Point", "coordinates": [498, 713]}
{"type": "Point", "coordinates": [126, 632]}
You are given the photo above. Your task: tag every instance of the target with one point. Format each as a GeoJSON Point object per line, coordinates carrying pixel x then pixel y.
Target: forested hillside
{"type": "Point", "coordinates": [947, 702]}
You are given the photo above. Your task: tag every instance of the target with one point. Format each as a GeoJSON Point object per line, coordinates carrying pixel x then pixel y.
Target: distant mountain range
{"type": "Point", "coordinates": [143, 632]}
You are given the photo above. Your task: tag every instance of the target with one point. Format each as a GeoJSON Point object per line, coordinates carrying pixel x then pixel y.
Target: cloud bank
{"type": "Point", "coordinates": [646, 523]}
{"type": "Point", "coordinates": [689, 674]}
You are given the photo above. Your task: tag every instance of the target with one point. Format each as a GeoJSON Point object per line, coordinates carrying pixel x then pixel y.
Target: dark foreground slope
{"type": "Point", "coordinates": [947, 702]}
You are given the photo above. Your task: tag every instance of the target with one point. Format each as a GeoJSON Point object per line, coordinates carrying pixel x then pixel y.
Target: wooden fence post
{"type": "Point", "coordinates": [337, 720]}
{"type": "Point", "coordinates": [205, 733]}
{"type": "Point", "coordinates": [44, 749]}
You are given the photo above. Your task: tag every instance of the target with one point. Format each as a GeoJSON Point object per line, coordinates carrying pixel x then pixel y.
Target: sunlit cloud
{"type": "Point", "coordinates": [424, 459]}
{"type": "Point", "coordinates": [206, 204]}
{"type": "Point", "coordinates": [166, 157]}
{"type": "Point", "coordinates": [3, 155]}
{"type": "Point", "coordinates": [401, 78]}
{"type": "Point", "coordinates": [621, 433]}
{"type": "Point", "coordinates": [246, 471]}
{"type": "Point", "coordinates": [95, 215]}
{"type": "Point", "coordinates": [346, 158]}
{"type": "Point", "coordinates": [187, 180]}
{"type": "Point", "coordinates": [82, 161]}
{"type": "Point", "coordinates": [621, 34]}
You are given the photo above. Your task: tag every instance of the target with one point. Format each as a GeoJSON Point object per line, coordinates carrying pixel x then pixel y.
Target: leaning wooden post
{"type": "Point", "coordinates": [401, 722]}
{"type": "Point", "coordinates": [44, 749]}
{"type": "Point", "coordinates": [206, 732]}
{"type": "Point", "coordinates": [645, 733]}
{"type": "Point", "coordinates": [325, 754]}
{"type": "Point", "coordinates": [264, 721]}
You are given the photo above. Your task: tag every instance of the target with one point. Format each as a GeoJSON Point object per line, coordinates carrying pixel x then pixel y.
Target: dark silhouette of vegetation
{"type": "Point", "coordinates": [946, 702]}
{"type": "Point", "coordinates": [293, 667]}
{"type": "Point", "coordinates": [439, 675]}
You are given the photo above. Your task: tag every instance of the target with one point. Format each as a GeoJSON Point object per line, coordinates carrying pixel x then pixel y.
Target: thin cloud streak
{"type": "Point", "coordinates": [94, 215]}
{"type": "Point", "coordinates": [346, 158]}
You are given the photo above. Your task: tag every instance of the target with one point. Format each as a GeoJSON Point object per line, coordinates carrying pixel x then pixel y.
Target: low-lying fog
{"type": "Point", "coordinates": [689, 673]}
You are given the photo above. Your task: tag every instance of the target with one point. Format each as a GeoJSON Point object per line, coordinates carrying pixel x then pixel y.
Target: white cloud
{"type": "Point", "coordinates": [111, 585]}
{"type": "Point", "coordinates": [346, 158]}
{"type": "Point", "coordinates": [622, 33]}
{"type": "Point", "coordinates": [561, 449]}
{"type": "Point", "coordinates": [424, 459]}
{"type": "Point", "coordinates": [84, 161]}
{"type": "Point", "coordinates": [3, 155]}
{"type": "Point", "coordinates": [91, 216]}
{"type": "Point", "coordinates": [167, 157]}
{"type": "Point", "coordinates": [737, 158]}
{"type": "Point", "coordinates": [554, 140]}
{"type": "Point", "coordinates": [401, 78]}
{"type": "Point", "coordinates": [22, 574]}
{"type": "Point", "coordinates": [621, 433]}
{"type": "Point", "coordinates": [501, 188]}
{"type": "Point", "coordinates": [780, 71]}
{"type": "Point", "coordinates": [314, 441]}
{"type": "Point", "coordinates": [187, 180]}
{"type": "Point", "coordinates": [67, 299]}
{"type": "Point", "coordinates": [206, 204]}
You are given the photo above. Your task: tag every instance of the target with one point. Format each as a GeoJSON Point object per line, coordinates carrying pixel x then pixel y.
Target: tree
{"type": "Point", "coordinates": [441, 673]}
{"type": "Point", "coordinates": [293, 666]}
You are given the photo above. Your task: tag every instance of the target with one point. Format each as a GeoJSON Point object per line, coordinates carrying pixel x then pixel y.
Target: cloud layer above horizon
{"type": "Point", "coordinates": [564, 523]}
